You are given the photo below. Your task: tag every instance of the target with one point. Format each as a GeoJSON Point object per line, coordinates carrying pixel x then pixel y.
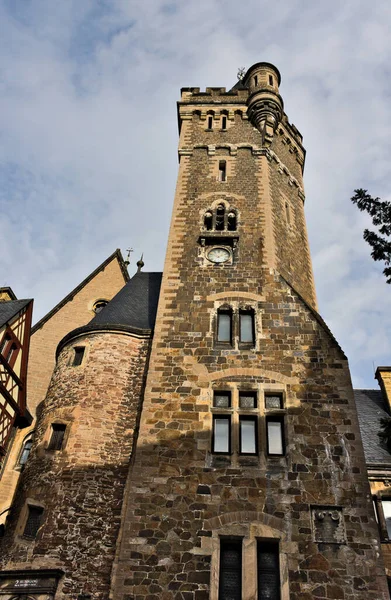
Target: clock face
{"type": "Point", "coordinates": [218, 255]}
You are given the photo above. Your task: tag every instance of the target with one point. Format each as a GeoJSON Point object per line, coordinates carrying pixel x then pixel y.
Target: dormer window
{"type": "Point", "coordinates": [99, 305]}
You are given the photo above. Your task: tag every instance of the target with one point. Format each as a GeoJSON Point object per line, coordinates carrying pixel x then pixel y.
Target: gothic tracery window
{"type": "Point", "coordinates": [220, 219]}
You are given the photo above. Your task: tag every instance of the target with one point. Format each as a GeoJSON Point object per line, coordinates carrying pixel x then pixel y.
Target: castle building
{"type": "Point", "coordinates": [199, 437]}
{"type": "Point", "coordinates": [15, 328]}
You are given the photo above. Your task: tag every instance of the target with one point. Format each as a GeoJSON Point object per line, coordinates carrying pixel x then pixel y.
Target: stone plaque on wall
{"type": "Point", "coordinates": [328, 524]}
{"type": "Point", "coordinates": [29, 582]}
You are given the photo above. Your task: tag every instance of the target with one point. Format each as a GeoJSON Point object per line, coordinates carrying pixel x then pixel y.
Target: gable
{"type": "Point", "coordinates": [75, 310]}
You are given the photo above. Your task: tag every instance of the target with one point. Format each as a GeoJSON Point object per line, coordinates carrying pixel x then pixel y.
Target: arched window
{"type": "Point", "coordinates": [224, 325]}
{"type": "Point", "coordinates": [231, 221]}
{"type": "Point", "coordinates": [210, 116]}
{"type": "Point", "coordinates": [25, 452]}
{"type": "Point", "coordinates": [246, 326]}
{"type": "Point", "coordinates": [208, 220]}
{"type": "Point", "coordinates": [220, 219]}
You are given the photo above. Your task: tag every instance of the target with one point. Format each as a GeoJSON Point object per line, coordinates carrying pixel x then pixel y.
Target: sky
{"type": "Point", "coordinates": [88, 137]}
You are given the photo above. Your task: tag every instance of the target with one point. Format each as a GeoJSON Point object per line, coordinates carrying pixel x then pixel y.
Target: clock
{"type": "Point", "coordinates": [218, 255]}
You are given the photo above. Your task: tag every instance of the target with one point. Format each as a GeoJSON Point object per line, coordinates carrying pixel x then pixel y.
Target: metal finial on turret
{"type": "Point", "coordinates": [140, 264]}
{"type": "Point", "coordinates": [127, 261]}
{"type": "Point", "coordinates": [241, 73]}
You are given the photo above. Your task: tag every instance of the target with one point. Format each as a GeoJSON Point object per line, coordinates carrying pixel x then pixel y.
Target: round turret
{"type": "Point", "coordinates": [265, 105]}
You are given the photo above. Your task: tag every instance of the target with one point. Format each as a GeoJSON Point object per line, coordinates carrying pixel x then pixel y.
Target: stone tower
{"type": "Point", "coordinates": [224, 460]}
{"type": "Point", "coordinates": [248, 479]}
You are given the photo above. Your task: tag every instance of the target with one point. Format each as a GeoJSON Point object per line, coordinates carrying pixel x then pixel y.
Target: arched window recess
{"type": "Point", "coordinates": [220, 218]}
{"type": "Point", "coordinates": [24, 451]}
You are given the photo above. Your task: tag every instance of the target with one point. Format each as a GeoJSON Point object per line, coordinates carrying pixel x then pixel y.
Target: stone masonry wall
{"type": "Point", "coordinates": [170, 529]}
{"type": "Point", "coordinates": [75, 313]}
{"type": "Point", "coordinates": [181, 498]}
{"type": "Point", "coordinates": [81, 486]}
{"type": "Point", "coordinates": [285, 237]}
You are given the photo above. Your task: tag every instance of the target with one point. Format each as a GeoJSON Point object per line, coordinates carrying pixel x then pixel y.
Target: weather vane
{"type": "Point", "coordinates": [127, 261]}
{"type": "Point", "coordinates": [241, 73]}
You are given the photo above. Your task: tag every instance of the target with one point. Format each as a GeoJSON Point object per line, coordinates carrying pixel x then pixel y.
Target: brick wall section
{"type": "Point", "coordinates": [81, 486]}
{"type": "Point", "coordinates": [167, 547]}
{"type": "Point", "coordinates": [43, 346]}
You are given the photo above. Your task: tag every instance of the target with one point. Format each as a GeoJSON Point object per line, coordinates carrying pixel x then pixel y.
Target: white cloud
{"type": "Point", "coordinates": [87, 115]}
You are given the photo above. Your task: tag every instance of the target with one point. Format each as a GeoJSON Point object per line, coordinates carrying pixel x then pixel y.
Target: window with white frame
{"type": "Point", "coordinates": [242, 426]}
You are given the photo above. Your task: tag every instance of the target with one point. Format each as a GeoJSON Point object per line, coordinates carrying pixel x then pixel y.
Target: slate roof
{"type": "Point", "coordinates": [9, 309]}
{"type": "Point", "coordinates": [132, 309]}
{"type": "Point", "coordinates": [135, 305]}
{"type": "Point", "coordinates": [239, 85]}
{"type": "Point", "coordinates": [371, 407]}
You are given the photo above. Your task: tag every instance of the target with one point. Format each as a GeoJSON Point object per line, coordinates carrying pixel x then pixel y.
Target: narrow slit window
{"type": "Point", "coordinates": [221, 434]}
{"type": "Point", "coordinates": [210, 122]}
{"type": "Point", "coordinates": [247, 330]}
{"type": "Point", "coordinates": [34, 520]}
{"type": "Point", "coordinates": [223, 122]}
{"type": "Point", "coordinates": [256, 80]}
{"type": "Point", "coordinates": [247, 400]}
{"type": "Point", "coordinates": [270, 80]}
{"type": "Point", "coordinates": [224, 326]}
{"type": "Point", "coordinates": [57, 437]}
{"type": "Point", "coordinates": [268, 571]}
{"type": "Point", "coordinates": [231, 221]}
{"type": "Point", "coordinates": [222, 170]}
{"type": "Point", "coordinates": [230, 577]}
{"type": "Point", "coordinates": [287, 213]}
{"type": "Point", "coordinates": [248, 435]}
{"type": "Point", "coordinates": [275, 436]}
{"type": "Point", "coordinates": [222, 399]}
{"type": "Point", "coordinates": [78, 356]}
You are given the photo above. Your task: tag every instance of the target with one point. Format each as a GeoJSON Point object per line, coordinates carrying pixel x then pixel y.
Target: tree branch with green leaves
{"type": "Point", "coordinates": [380, 212]}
